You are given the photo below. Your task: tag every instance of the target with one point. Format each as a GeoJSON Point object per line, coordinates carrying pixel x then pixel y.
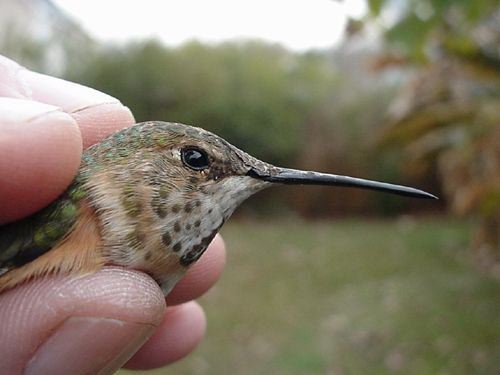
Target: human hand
{"type": "Point", "coordinates": [94, 323]}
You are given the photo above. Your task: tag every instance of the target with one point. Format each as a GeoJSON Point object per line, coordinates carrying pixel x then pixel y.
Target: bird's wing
{"type": "Point", "coordinates": [25, 240]}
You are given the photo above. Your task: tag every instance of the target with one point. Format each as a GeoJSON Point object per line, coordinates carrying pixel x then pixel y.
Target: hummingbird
{"type": "Point", "coordinates": [149, 197]}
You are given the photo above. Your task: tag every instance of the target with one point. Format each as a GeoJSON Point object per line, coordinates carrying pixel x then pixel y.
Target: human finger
{"type": "Point", "coordinates": [181, 330]}
{"type": "Point", "coordinates": [79, 325]}
{"type": "Point", "coordinates": [40, 151]}
{"type": "Point", "coordinates": [96, 113]}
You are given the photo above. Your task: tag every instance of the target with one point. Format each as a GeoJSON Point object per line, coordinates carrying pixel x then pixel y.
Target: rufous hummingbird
{"type": "Point", "coordinates": [150, 197]}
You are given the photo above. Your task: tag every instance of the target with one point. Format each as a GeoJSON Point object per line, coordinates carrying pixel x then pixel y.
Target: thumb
{"type": "Point", "coordinates": [40, 149]}
{"type": "Point", "coordinates": [84, 325]}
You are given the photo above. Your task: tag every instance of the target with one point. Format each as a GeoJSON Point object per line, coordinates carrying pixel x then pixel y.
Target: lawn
{"type": "Point", "coordinates": [349, 297]}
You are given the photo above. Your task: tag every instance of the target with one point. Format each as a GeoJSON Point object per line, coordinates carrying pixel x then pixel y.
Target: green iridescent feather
{"type": "Point", "coordinates": [27, 239]}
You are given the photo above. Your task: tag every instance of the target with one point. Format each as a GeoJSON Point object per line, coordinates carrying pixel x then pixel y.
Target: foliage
{"type": "Point", "coordinates": [302, 110]}
{"type": "Point", "coordinates": [241, 91]}
{"type": "Point", "coordinates": [448, 115]}
{"type": "Point", "coordinates": [317, 110]}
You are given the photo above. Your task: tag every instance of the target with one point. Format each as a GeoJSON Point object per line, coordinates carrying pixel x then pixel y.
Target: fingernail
{"type": "Point", "coordinates": [86, 345]}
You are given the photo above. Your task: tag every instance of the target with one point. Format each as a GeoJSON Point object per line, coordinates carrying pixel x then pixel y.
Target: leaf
{"type": "Point", "coordinates": [375, 6]}
{"type": "Point", "coordinates": [410, 34]}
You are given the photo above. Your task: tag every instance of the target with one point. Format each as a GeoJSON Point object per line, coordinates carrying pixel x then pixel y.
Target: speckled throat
{"type": "Point", "coordinates": [154, 213]}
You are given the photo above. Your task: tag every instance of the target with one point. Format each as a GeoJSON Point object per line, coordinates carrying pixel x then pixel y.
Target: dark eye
{"type": "Point", "coordinates": [195, 158]}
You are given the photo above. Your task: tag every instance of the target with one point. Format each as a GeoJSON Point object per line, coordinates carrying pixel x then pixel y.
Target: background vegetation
{"type": "Point", "coordinates": [447, 118]}
{"type": "Point", "coordinates": [349, 297]}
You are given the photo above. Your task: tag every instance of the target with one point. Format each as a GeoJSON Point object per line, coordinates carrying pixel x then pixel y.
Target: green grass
{"type": "Point", "coordinates": [349, 297]}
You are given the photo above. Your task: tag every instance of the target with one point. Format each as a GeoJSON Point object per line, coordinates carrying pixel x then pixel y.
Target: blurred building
{"type": "Point", "coordinates": [40, 35]}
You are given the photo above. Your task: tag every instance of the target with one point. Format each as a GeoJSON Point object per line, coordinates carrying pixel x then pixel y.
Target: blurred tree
{"type": "Point", "coordinates": [448, 115]}
{"type": "Point", "coordinates": [317, 110]}
{"type": "Point", "coordinates": [283, 107]}
{"type": "Point", "coordinates": [342, 113]}
{"type": "Point", "coordinates": [238, 90]}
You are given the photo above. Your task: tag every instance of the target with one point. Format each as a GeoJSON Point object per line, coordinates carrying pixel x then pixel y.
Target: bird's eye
{"type": "Point", "coordinates": [195, 158]}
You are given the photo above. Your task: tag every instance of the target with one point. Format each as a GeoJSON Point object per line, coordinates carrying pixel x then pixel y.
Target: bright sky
{"type": "Point", "coordinates": [297, 24]}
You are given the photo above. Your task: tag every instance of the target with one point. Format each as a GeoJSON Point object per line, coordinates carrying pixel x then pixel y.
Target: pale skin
{"type": "Point", "coordinates": [98, 322]}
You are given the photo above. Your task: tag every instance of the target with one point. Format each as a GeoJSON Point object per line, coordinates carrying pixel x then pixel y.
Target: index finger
{"type": "Point", "coordinates": [97, 114]}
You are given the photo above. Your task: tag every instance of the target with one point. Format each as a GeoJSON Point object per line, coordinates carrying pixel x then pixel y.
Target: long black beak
{"type": "Point", "coordinates": [297, 177]}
